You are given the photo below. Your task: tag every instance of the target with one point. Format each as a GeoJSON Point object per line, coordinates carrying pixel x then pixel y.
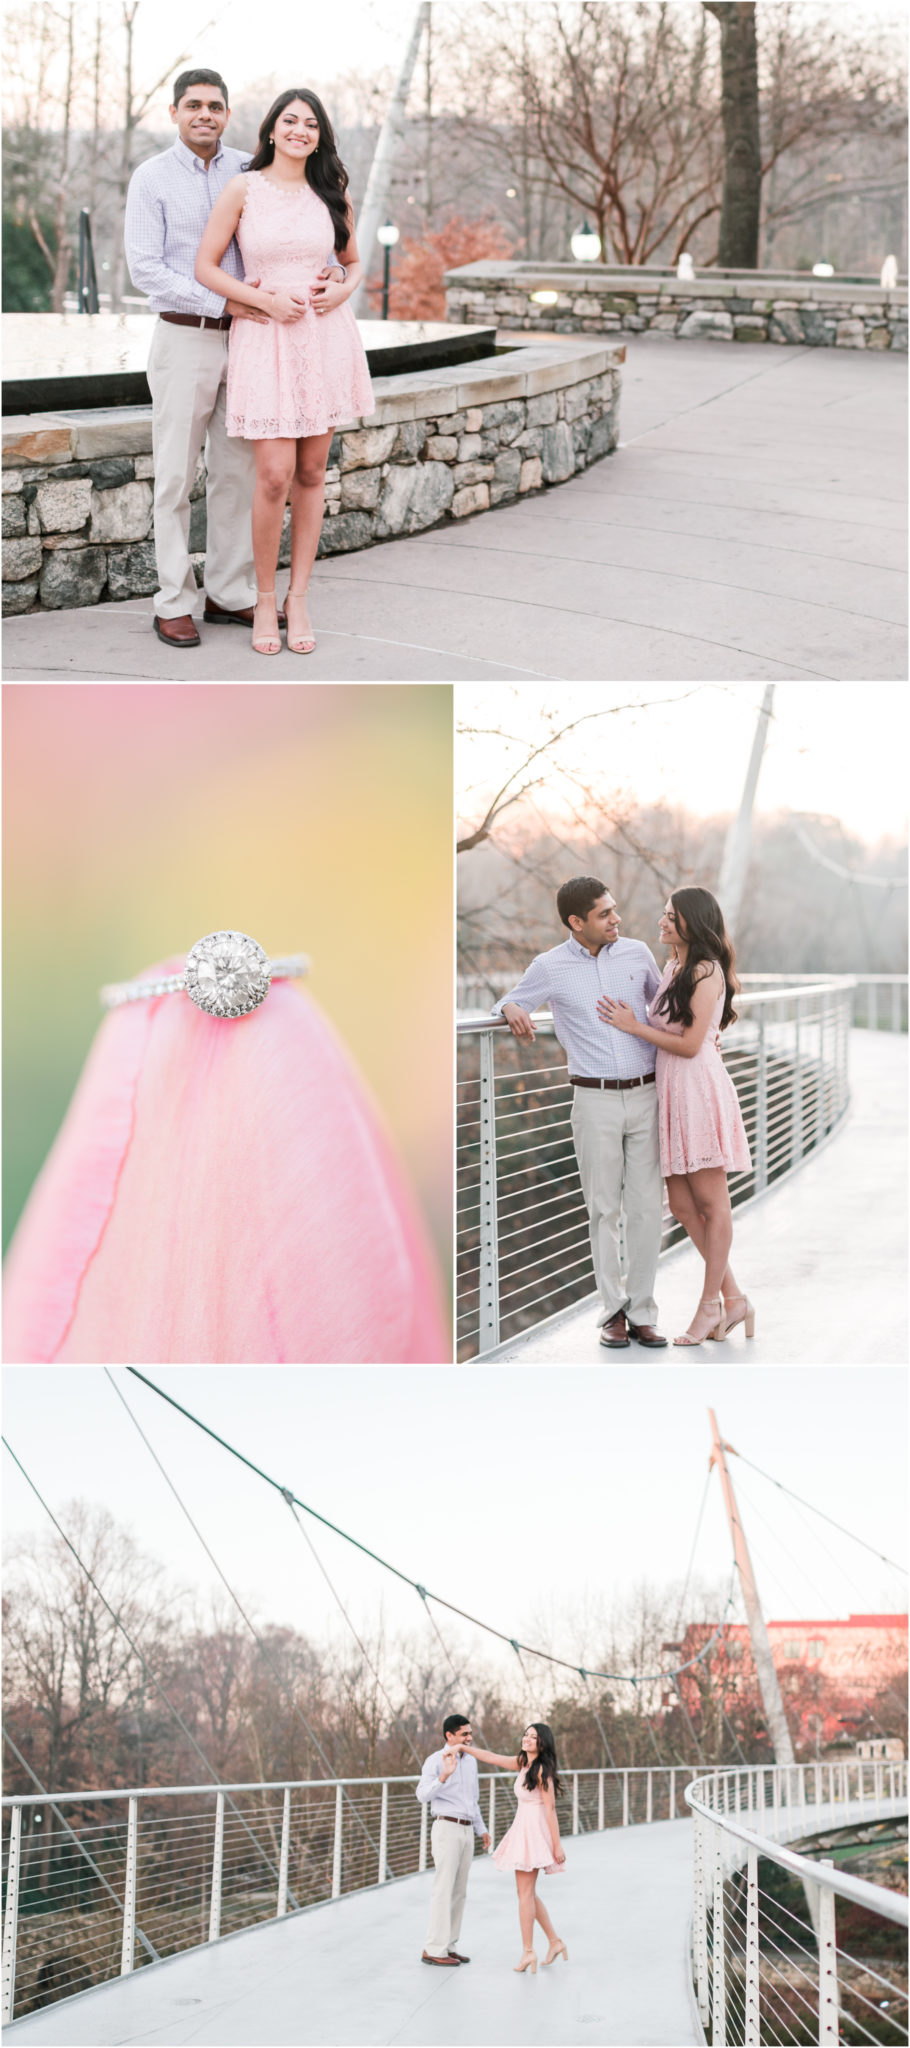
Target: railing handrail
{"type": "Point", "coordinates": [313, 1784]}
{"type": "Point", "coordinates": [875, 1898]}
{"type": "Point", "coordinates": [744, 996]}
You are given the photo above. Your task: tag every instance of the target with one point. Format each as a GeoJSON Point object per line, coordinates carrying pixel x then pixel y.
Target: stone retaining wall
{"type": "Point", "coordinates": [443, 444]}
{"type": "Point", "coordinates": [601, 300]}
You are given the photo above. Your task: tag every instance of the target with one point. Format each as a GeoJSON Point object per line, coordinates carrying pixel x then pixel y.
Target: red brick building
{"type": "Point", "coordinates": [830, 1672]}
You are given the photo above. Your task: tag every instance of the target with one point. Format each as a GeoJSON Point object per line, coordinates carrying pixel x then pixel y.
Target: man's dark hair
{"type": "Point", "coordinates": [577, 897]}
{"type": "Point", "coordinates": [188, 78]}
{"type": "Point", "coordinates": [453, 1722]}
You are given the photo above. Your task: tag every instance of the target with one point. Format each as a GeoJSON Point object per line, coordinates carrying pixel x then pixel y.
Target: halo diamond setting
{"type": "Point", "coordinates": [227, 974]}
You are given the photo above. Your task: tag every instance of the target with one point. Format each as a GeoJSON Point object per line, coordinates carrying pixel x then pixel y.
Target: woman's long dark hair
{"type": "Point", "coordinates": [543, 1770]}
{"type": "Point", "coordinates": [708, 940]}
{"type": "Point", "coordinates": [325, 172]}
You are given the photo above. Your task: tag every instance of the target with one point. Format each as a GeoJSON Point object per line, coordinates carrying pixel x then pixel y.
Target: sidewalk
{"type": "Point", "coordinates": [350, 1973]}
{"type": "Point", "coordinates": [750, 525]}
{"type": "Point", "coordinates": [823, 1257]}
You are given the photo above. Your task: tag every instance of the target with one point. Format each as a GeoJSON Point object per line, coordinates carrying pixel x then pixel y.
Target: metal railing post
{"type": "Point", "coordinates": [895, 1006]}
{"type": "Point", "coordinates": [649, 1803]}
{"type": "Point", "coordinates": [217, 1861]}
{"type": "Point", "coordinates": [700, 1924]}
{"type": "Point", "coordinates": [383, 1830]}
{"type": "Point", "coordinates": [424, 1829]}
{"type": "Point", "coordinates": [827, 1960]}
{"type": "Point", "coordinates": [600, 1801]}
{"type": "Point", "coordinates": [872, 1006]}
{"type": "Point", "coordinates": [822, 1084]}
{"type": "Point", "coordinates": [129, 1891]}
{"type": "Point", "coordinates": [719, 1972]}
{"type": "Point", "coordinates": [625, 1799]}
{"type": "Point", "coordinates": [488, 1335]}
{"type": "Point", "coordinates": [672, 1795]}
{"type": "Point", "coordinates": [753, 1995]}
{"type": "Point", "coordinates": [285, 1853]}
{"type": "Point", "coordinates": [11, 1914]}
{"type": "Point", "coordinates": [796, 1113]}
{"type": "Point", "coordinates": [336, 1844]}
{"type": "Point", "coordinates": [491, 1823]}
{"type": "Point", "coordinates": [761, 1109]}
{"type": "Point", "coordinates": [574, 1802]}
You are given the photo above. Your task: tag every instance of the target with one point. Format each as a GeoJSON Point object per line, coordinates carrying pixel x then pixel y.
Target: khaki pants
{"type": "Point", "coordinates": [616, 1145]}
{"type": "Point", "coordinates": [187, 373]}
{"type": "Point", "coordinates": [453, 1854]}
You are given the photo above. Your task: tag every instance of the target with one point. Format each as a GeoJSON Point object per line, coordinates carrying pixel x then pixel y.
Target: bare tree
{"type": "Point", "coordinates": [737, 247]}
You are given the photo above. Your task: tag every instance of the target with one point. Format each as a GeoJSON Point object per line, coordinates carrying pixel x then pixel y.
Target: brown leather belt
{"type": "Point", "coordinates": [453, 1817]}
{"type": "Point", "coordinates": [194, 320]}
{"type": "Point", "coordinates": [587, 1081]}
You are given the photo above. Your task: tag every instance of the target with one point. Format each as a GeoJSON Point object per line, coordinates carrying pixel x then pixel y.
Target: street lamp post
{"type": "Point", "coordinates": [387, 235]}
{"type": "Point", "coordinates": [585, 244]}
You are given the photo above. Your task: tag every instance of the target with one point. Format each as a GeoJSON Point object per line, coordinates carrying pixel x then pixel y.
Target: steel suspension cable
{"type": "Point", "coordinates": [682, 1599]}
{"type": "Point", "coordinates": [151, 1952]}
{"type": "Point", "coordinates": [283, 1687]}
{"type": "Point", "coordinates": [159, 1688]}
{"type": "Point", "coordinates": [821, 1514]}
{"type": "Point", "coordinates": [358, 1640]}
{"type": "Point", "coordinates": [564, 1663]}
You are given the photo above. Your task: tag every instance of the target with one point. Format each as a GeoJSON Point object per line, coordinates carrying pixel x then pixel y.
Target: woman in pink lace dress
{"type": "Point", "coordinates": [297, 368]}
{"type": "Point", "coordinates": [702, 1135]}
{"type": "Point", "coordinates": [532, 1843]}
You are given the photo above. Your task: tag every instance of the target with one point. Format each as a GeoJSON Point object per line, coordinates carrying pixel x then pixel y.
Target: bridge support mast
{"type": "Point", "coordinates": [761, 1647]}
{"type": "Point", "coordinates": [735, 863]}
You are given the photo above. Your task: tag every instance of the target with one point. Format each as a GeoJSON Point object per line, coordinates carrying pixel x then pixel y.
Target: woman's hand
{"type": "Point", "coordinates": [328, 292]}
{"type": "Point", "coordinates": [286, 306]}
{"type": "Point", "coordinates": [559, 1855]}
{"type": "Point", "coordinates": [618, 1014]}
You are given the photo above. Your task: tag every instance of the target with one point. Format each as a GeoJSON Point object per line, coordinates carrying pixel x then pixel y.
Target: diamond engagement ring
{"type": "Point", "coordinates": [226, 974]}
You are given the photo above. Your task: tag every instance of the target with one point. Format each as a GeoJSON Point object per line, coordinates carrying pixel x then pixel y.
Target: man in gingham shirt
{"type": "Point", "coordinates": [614, 1112]}
{"type": "Point", "coordinates": [168, 204]}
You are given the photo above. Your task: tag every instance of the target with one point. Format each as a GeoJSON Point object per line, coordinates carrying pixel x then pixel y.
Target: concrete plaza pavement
{"type": "Point", "coordinates": [823, 1256]}
{"type": "Point", "coordinates": [350, 1973]}
{"type": "Point", "coordinates": [751, 525]}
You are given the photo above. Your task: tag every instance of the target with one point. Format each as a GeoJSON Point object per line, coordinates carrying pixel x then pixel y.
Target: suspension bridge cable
{"type": "Point", "coordinates": [820, 1512]}
{"type": "Point", "coordinates": [159, 1688]}
{"type": "Point", "coordinates": [565, 1663]}
{"type": "Point", "coordinates": [151, 1952]}
{"type": "Point", "coordinates": [282, 1685]}
{"type": "Point", "coordinates": [682, 1600]}
{"type": "Point", "coordinates": [360, 1644]}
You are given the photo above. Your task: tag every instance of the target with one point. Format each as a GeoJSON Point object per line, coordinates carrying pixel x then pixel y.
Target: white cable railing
{"type": "Point", "coordinates": [97, 1884]}
{"type": "Point", "coordinates": [522, 1241]}
{"type": "Point", "coordinates": [787, 1947]}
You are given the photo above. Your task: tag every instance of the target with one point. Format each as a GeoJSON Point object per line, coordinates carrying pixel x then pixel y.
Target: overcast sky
{"type": "Point", "coordinates": [826, 751]}
{"type": "Point", "coordinates": [572, 1485]}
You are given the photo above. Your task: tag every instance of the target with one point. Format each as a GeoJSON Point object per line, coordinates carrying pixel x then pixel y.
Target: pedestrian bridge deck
{"type": "Point", "coordinates": [822, 1256]}
{"type": "Point", "coordinates": [350, 1972]}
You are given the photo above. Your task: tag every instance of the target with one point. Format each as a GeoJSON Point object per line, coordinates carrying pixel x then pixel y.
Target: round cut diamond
{"type": "Point", "coordinates": [227, 974]}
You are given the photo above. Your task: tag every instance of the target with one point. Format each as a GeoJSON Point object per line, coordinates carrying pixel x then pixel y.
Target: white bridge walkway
{"type": "Point", "coordinates": [351, 1972]}
{"type": "Point", "coordinates": [822, 1256]}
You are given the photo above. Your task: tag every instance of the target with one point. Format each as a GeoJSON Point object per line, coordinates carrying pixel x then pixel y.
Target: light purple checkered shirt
{"type": "Point", "coordinates": [167, 207]}
{"type": "Point", "coordinates": [570, 981]}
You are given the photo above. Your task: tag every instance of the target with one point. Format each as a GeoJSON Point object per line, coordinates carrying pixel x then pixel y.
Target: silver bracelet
{"type": "Point", "coordinates": [226, 974]}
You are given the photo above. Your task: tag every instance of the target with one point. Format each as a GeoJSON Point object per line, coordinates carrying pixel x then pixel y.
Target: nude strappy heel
{"type": "Point", "coordinates": [745, 1315]}
{"type": "Point", "coordinates": [557, 1948]}
{"type": "Point", "coordinates": [713, 1308]}
{"type": "Point", "coordinates": [268, 643]}
{"type": "Point", "coordinates": [301, 643]}
{"type": "Point", "coordinates": [528, 1962]}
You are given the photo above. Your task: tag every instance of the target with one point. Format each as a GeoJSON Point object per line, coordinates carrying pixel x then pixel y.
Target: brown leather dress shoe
{"type": "Point", "coordinates": [445, 1962]}
{"type": "Point", "coordinates": [613, 1334]}
{"type": "Point", "coordinates": [177, 632]}
{"type": "Point", "coordinates": [456, 1958]}
{"type": "Point", "coordinates": [645, 1333]}
{"type": "Point", "coordinates": [217, 615]}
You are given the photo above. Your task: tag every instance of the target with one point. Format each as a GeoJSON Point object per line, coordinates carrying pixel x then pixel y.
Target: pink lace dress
{"type": "Point", "coordinates": [527, 1844]}
{"type": "Point", "coordinates": [297, 377]}
{"type": "Point", "coordinates": [699, 1120]}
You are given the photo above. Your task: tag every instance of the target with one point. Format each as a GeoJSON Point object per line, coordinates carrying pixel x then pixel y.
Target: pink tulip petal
{"type": "Point", "coordinates": [221, 1193]}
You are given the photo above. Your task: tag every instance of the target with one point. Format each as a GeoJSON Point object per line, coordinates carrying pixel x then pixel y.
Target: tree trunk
{"type": "Point", "coordinates": [741, 207]}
